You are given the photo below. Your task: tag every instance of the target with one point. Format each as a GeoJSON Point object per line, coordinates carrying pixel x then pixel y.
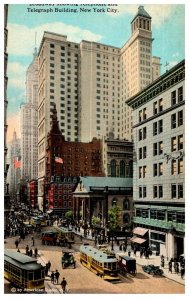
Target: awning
{"type": "Point", "coordinates": [137, 240]}
{"type": "Point", "coordinates": [140, 231]}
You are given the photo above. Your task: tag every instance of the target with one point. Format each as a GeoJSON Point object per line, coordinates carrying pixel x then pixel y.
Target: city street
{"type": "Point", "coordinates": [82, 281]}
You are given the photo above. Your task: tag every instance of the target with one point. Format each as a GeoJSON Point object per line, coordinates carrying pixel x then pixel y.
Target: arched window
{"type": "Point", "coordinates": [114, 201]}
{"type": "Point", "coordinates": [131, 169]}
{"type": "Point", "coordinates": [126, 218]}
{"type": "Point", "coordinates": [126, 204]}
{"type": "Point", "coordinates": [113, 168]}
{"type": "Point", "coordinates": [122, 168]}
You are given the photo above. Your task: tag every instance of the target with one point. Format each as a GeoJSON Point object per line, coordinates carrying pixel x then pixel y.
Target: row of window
{"type": "Point", "coordinates": [176, 97]}
{"type": "Point", "coordinates": [177, 191]}
{"type": "Point", "coordinates": [170, 216]}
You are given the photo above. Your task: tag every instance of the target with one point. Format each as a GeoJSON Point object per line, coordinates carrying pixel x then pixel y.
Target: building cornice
{"type": "Point", "coordinates": [163, 83]}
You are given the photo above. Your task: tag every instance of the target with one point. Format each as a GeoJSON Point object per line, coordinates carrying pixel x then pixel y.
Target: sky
{"type": "Point", "coordinates": [111, 28]}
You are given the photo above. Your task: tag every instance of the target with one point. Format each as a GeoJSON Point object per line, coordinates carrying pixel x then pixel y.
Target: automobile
{"type": "Point", "coordinates": [49, 238]}
{"type": "Point", "coordinates": [68, 260]}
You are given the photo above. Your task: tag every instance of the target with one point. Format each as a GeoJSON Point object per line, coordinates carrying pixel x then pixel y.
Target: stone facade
{"type": "Point", "coordinates": [159, 179]}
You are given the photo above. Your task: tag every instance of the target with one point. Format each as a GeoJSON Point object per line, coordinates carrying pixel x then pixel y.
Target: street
{"type": "Point", "coordinates": [83, 281]}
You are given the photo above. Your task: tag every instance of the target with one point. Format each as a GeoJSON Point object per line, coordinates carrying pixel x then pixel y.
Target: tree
{"type": "Point", "coordinates": [69, 215]}
{"type": "Point", "coordinates": [114, 217]}
{"type": "Point", "coordinates": [95, 221]}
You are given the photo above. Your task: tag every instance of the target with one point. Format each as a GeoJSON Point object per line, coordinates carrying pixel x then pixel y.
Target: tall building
{"type": "Point", "coordinates": [29, 123]}
{"type": "Point", "coordinates": [14, 154]}
{"type": "Point", "coordinates": [89, 83]}
{"type": "Point", "coordinates": [159, 178]}
{"type": "Point", "coordinates": [6, 166]}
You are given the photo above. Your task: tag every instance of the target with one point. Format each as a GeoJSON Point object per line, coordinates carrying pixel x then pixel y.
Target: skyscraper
{"type": "Point", "coordinates": [28, 124]}
{"type": "Point", "coordinates": [90, 82]}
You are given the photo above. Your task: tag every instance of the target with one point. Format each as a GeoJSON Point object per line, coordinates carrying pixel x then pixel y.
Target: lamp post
{"type": "Point", "coordinates": [112, 248]}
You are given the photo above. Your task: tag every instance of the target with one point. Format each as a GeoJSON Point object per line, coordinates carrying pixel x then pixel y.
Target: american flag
{"type": "Point", "coordinates": [58, 160]}
{"type": "Point", "coordinates": [17, 163]}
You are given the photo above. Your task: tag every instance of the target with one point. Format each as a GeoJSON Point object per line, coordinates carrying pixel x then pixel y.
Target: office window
{"type": "Point", "coordinates": [155, 149]}
{"type": "Point", "coordinates": [155, 128]}
{"type": "Point", "coordinates": [155, 191]}
{"type": "Point", "coordinates": [144, 133]}
{"type": "Point", "coordinates": [144, 192]}
{"type": "Point", "coordinates": [144, 152]}
{"type": "Point", "coordinates": [160, 169]}
{"type": "Point", "coordinates": [160, 191]}
{"type": "Point", "coordinates": [140, 116]}
{"type": "Point", "coordinates": [173, 98]}
{"type": "Point", "coordinates": [155, 170]}
{"type": "Point", "coordinates": [140, 172]}
{"type": "Point", "coordinates": [160, 105]}
{"type": "Point", "coordinates": [144, 114]}
{"type": "Point", "coordinates": [140, 153]}
{"type": "Point", "coordinates": [173, 167]}
{"type": "Point", "coordinates": [155, 108]}
{"type": "Point", "coordinates": [180, 166]}
{"type": "Point", "coordinates": [140, 134]}
{"type": "Point", "coordinates": [140, 192]}
{"type": "Point", "coordinates": [180, 191]}
{"type": "Point", "coordinates": [160, 147]}
{"type": "Point", "coordinates": [173, 144]}
{"type": "Point", "coordinates": [180, 94]}
{"type": "Point", "coordinates": [180, 142]}
{"type": "Point", "coordinates": [173, 191]}
{"type": "Point", "coordinates": [180, 118]}
{"type": "Point", "coordinates": [173, 121]}
{"type": "Point", "coordinates": [160, 126]}
{"type": "Point", "coordinates": [144, 171]}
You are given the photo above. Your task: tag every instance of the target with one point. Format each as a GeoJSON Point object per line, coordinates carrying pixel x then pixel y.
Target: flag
{"type": "Point", "coordinates": [58, 160]}
{"type": "Point", "coordinates": [17, 163]}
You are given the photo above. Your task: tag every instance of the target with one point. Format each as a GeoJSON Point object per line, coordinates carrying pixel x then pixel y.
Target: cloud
{"type": "Point", "coordinates": [17, 75]}
{"type": "Point", "coordinates": [21, 38]}
{"type": "Point", "coordinates": [159, 13]}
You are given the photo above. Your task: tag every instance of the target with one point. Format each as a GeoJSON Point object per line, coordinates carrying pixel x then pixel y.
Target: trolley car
{"type": "Point", "coordinates": [24, 271]}
{"type": "Point", "coordinates": [99, 262]}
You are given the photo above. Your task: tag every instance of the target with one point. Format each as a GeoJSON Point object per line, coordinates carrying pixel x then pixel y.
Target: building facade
{"type": "Point", "coordinates": [117, 157]}
{"type": "Point", "coordinates": [14, 154]}
{"type": "Point", "coordinates": [29, 123]}
{"type": "Point", "coordinates": [65, 161]}
{"type": "Point", "coordinates": [94, 196]}
{"type": "Point", "coordinates": [33, 193]}
{"type": "Point", "coordinates": [6, 166]}
{"type": "Point", "coordinates": [159, 178]}
{"type": "Point", "coordinates": [89, 83]}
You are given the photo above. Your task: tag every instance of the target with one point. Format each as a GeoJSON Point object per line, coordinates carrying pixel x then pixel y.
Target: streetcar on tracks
{"type": "Point", "coordinates": [24, 271]}
{"type": "Point", "coordinates": [101, 263]}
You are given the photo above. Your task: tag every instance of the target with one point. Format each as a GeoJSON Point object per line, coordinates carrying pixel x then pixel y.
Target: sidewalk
{"type": "Point", "coordinates": [153, 260]}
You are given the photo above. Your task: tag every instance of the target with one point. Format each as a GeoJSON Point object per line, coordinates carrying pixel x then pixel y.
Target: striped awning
{"type": "Point", "coordinates": [140, 231]}
{"type": "Point", "coordinates": [137, 240]}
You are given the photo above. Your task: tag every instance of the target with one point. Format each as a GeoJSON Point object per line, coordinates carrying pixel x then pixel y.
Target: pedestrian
{"type": "Point", "coordinates": [36, 252]}
{"type": "Point", "coordinates": [177, 267]}
{"type": "Point", "coordinates": [18, 250]}
{"type": "Point", "coordinates": [52, 277]}
{"type": "Point", "coordinates": [16, 243]}
{"type": "Point", "coordinates": [129, 252]}
{"type": "Point", "coordinates": [135, 251]}
{"type": "Point", "coordinates": [33, 241]}
{"type": "Point", "coordinates": [49, 265]}
{"type": "Point", "coordinates": [170, 266]}
{"type": "Point", "coordinates": [162, 262]}
{"type": "Point", "coordinates": [27, 250]}
{"type": "Point", "coordinates": [31, 252]}
{"type": "Point", "coordinates": [182, 272]}
{"type": "Point", "coordinates": [64, 284]}
{"type": "Point", "coordinates": [46, 269]}
{"type": "Point", "coordinates": [57, 274]}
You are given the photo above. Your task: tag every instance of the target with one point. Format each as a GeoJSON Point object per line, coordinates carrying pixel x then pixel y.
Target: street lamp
{"type": "Point", "coordinates": [112, 243]}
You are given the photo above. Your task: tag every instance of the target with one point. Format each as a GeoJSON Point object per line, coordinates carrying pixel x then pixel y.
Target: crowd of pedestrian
{"type": "Point", "coordinates": [175, 265]}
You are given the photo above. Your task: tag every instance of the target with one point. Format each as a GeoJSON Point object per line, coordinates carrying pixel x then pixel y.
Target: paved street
{"type": "Point", "coordinates": [82, 281]}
